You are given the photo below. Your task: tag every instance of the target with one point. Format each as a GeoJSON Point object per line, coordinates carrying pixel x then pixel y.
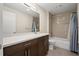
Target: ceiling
{"type": "Point", "coordinates": [21, 7]}
{"type": "Point", "coordinates": [53, 8]}
{"type": "Point", "coordinates": [56, 8]}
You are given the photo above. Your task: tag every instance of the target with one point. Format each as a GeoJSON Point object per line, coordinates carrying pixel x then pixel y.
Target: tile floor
{"type": "Point", "coordinates": [60, 52]}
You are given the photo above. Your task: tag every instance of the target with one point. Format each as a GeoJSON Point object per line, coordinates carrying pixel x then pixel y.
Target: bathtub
{"type": "Point", "coordinates": [60, 42]}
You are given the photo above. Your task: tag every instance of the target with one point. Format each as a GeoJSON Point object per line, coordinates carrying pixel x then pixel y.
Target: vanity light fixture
{"type": "Point", "coordinates": [29, 6]}
{"type": "Point", "coordinates": [26, 5]}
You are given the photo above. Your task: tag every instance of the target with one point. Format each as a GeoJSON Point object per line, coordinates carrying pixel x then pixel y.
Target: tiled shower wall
{"type": "Point", "coordinates": [60, 25]}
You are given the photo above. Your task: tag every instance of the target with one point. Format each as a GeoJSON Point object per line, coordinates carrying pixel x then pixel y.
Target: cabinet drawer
{"type": "Point", "coordinates": [13, 49]}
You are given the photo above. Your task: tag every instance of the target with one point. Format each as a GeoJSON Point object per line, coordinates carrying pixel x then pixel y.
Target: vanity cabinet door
{"type": "Point", "coordinates": [17, 49]}
{"type": "Point", "coordinates": [43, 45]}
{"type": "Point", "coordinates": [31, 48]}
{"type": "Point", "coordinates": [19, 53]}
{"type": "Point", "coordinates": [46, 45]}
{"type": "Point", "coordinates": [34, 47]}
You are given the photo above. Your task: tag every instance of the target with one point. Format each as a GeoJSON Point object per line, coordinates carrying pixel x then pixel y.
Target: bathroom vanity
{"type": "Point", "coordinates": [21, 32]}
{"type": "Point", "coordinates": [26, 45]}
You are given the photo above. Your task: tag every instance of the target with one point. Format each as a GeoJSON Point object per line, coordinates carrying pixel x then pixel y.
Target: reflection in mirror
{"type": "Point", "coordinates": [19, 18]}
{"type": "Point", "coordinates": [36, 20]}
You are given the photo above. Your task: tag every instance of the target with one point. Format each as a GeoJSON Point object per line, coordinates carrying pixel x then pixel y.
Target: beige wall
{"type": "Point", "coordinates": [23, 20]}
{"type": "Point", "coordinates": [44, 21]}
{"type": "Point", "coordinates": [1, 41]}
{"type": "Point", "coordinates": [60, 25]}
{"type": "Point", "coordinates": [24, 23]}
{"type": "Point", "coordinates": [50, 24]}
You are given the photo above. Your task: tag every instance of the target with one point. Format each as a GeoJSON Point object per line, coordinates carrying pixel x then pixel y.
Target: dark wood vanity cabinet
{"type": "Point", "coordinates": [35, 47]}
{"type": "Point", "coordinates": [31, 49]}
{"type": "Point", "coordinates": [17, 49]}
{"type": "Point", "coordinates": [43, 46]}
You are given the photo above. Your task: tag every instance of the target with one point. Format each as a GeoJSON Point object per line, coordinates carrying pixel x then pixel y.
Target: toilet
{"type": "Point", "coordinates": [52, 44]}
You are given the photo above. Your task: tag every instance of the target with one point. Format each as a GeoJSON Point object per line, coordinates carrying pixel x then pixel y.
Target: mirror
{"type": "Point", "coordinates": [19, 18]}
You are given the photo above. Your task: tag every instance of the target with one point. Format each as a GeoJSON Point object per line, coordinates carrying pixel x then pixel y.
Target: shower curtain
{"type": "Point", "coordinates": [74, 33]}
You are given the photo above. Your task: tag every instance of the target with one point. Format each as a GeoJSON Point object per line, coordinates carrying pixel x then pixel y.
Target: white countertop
{"type": "Point", "coordinates": [8, 41]}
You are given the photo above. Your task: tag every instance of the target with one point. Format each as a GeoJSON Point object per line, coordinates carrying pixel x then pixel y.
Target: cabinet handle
{"type": "Point", "coordinates": [27, 44]}
{"type": "Point", "coordinates": [27, 52]}
{"type": "Point", "coordinates": [27, 49]}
